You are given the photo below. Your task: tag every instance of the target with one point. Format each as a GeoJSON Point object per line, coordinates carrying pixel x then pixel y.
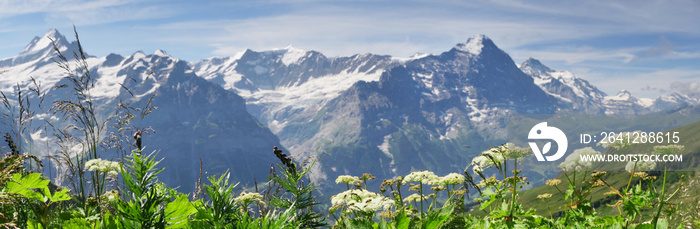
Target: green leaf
{"type": "Point", "coordinates": [437, 218]}
{"type": "Point", "coordinates": [402, 220]}
{"type": "Point", "coordinates": [569, 192]}
{"type": "Point", "coordinates": [178, 210]}
{"type": "Point", "coordinates": [31, 224]}
{"type": "Point", "coordinates": [485, 204]}
{"type": "Point", "coordinates": [61, 195]}
{"type": "Point", "coordinates": [25, 185]}
{"type": "Point", "coordinates": [662, 224]}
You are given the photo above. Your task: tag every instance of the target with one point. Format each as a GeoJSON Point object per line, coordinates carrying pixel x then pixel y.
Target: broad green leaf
{"type": "Point", "coordinates": [178, 211]}
{"type": "Point", "coordinates": [485, 204]}
{"type": "Point", "coordinates": [402, 220]}
{"type": "Point", "coordinates": [488, 192]}
{"type": "Point", "coordinates": [61, 195]}
{"type": "Point", "coordinates": [662, 224]}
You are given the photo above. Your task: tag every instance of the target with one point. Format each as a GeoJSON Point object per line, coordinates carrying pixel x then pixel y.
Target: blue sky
{"type": "Point", "coordinates": [647, 47]}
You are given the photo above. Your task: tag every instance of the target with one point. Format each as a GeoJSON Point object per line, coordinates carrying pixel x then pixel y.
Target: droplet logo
{"type": "Point", "coordinates": [543, 132]}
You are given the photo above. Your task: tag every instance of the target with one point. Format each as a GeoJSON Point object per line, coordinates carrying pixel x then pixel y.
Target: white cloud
{"type": "Point", "coordinates": [686, 87]}
{"type": "Point", "coordinates": [83, 12]}
{"type": "Point", "coordinates": [577, 55]}
{"type": "Point", "coordinates": [13, 8]}
{"type": "Point", "coordinates": [105, 15]}
{"type": "Point", "coordinates": [640, 81]}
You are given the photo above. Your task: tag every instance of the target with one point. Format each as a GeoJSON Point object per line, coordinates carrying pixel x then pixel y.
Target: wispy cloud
{"type": "Point", "coordinates": [576, 55]}
{"type": "Point", "coordinates": [13, 8]}
{"type": "Point", "coordinates": [641, 82]}
{"type": "Point", "coordinates": [84, 13]}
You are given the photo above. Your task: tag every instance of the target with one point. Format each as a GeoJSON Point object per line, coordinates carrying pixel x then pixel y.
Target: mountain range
{"type": "Point", "coordinates": [364, 113]}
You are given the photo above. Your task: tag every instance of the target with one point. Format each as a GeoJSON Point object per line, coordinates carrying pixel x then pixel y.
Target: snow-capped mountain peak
{"type": "Point", "coordinates": [292, 55]}
{"type": "Point", "coordinates": [474, 45]}
{"type": "Point", "coordinates": [623, 95]}
{"type": "Point", "coordinates": [533, 66]}
{"type": "Point", "coordinates": [44, 42]}
{"type": "Point", "coordinates": [160, 52]}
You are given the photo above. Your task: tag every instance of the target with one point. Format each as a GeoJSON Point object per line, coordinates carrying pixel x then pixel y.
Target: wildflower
{"type": "Point", "coordinates": [515, 152]}
{"type": "Point", "coordinates": [649, 178]}
{"type": "Point", "coordinates": [334, 208]}
{"type": "Point", "coordinates": [458, 192]}
{"type": "Point", "coordinates": [488, 182]}
{"type": "Point", "coordinates": [574, 163]}
{"type": "Point", "coordinates": [105, 166]}
{"type": "Point", "coordinates": [640, 166]}
{"type": "Point", "coordinates": [598, 174]}
{"type": "Point", "coordinates": [553, 182]}
{"type": "Point", "coordinates": [668, 149]}
{"type": "Point", "coordinates": [414, 197]}
{"type": "Point", "coordinates": [438, 188]}
{"type": "Point", "coordinates": [362, 200]}
{"type": "Point", "coordinates": [451, 179]}
{"type": "Point", "coordinates": [387, 214]}
{"type": "Point", "coordinates": [598, 183]}
{"type": "Point", "coordinates": [249, 197]}
{"type": "Point", "coordinates": [424, 177]}
{"type": "Point", "coordinates": [640, 174]}
{"type": "Point", "coordinates": [347, 179]}
{"type": "Point", "coordinates": [389, 182]}
{"type": "Point", "coordinates": [487, 158]}
{"type": "Point", "coordinates": [367, 176]}
{"type": "Point", "coordinates": [544, 196]}
{"type": "Point", "coordinates": [111, 196]}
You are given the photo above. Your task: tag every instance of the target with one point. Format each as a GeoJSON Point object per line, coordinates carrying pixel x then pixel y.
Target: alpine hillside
{"type": "Point", "coordinates": [364, 113]}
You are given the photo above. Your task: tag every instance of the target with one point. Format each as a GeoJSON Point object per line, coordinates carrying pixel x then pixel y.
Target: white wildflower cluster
{"type": "Point", "coordinates": [451, 179]}
{"type": "Point", "coordinates": [111, 196]}
{"type": "Point", "coordinates": [414, 197]}
{"type": "Point", "coordinates": [351, 180]}
{"type": "Point", "coordinates": [362, 200]}
{"type": "Point", "coordinates": [486, 159]}
{"type": "Point", "coordinates": [424, 177]}
{"type": "Point", "coordinates": [574, 163]}
{"type": "Point", "coordinates": [641, 166]}
{"type": "Point", "coordinates": [247, 197]}
{"type": "Point", "coordinates": [668, 149]}
{"type": "Point", "coordinates": [497, 155]}
{"type": "Point", "coordinates": [515, 152]}
{"type": "Point", "coordinates": [105, 166]}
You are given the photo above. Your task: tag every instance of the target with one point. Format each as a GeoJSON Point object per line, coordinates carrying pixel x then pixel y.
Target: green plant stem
{"type": "Point", "coordinates": [549, 210]}
{"type": "Point", "coordinates": [631, 175]}
{"type": "Point", "coordinates": [661, 199]}
{"type": "Point", "coordinates": [421, 199]}
{"type": "Point", "coordinates": [515, 190]}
